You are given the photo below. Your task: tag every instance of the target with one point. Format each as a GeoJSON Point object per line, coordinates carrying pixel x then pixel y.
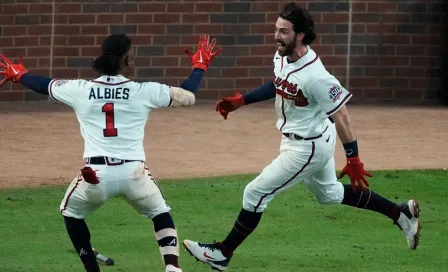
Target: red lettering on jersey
{"type": "Point", "coordinates": [110, 130]}
{"type": "Point", "coordinates": [277, 81]}
{"type": "Point", "coordinates": [284, 84]}
{"type": "Point", "coordinates": [301, 100]}
{"type": "Point", "coordinates": [290, 91]}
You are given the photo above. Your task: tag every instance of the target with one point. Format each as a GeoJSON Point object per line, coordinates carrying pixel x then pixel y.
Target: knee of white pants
{"type": "Point", "coordinates": [149, 211]}
{"type": "Point", "coordinates": [150, 206]}
{"type": "Point", "coordinates": [68, 213]}
{"type": "Point", "coordinates": [248, 198]}
{"type": "Point", "coordinates": [253, 199]}
{"type": "Point", "coordinates": [163, 209]}
{"type": "Point", "coordinates": [330, 195]}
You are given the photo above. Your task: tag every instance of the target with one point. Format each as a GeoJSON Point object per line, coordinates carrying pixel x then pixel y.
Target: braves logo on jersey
{"type": "Point", "coordinates": [290, 91]}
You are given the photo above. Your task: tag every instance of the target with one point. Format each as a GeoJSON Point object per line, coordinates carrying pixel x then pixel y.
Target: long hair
{"type": "Point", "coordinates": [301, 21]}
{"type": "Point", "coordinates": [114, 48]}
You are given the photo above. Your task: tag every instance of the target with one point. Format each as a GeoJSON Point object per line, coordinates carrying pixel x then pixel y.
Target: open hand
{"type": "Point", "coordinates": [204, 55]}
{"type": "Point", "coordinates": [12, 72]}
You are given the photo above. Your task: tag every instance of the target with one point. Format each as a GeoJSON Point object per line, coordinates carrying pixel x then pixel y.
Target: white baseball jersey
{"type": "Point", "coordinates": [112, 112]}
{"type": "Point", "coordinates": [307, 94]}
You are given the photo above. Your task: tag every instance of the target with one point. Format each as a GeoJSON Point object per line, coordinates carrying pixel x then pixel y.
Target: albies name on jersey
{"type": "Point", "coordinates": [109, 93]}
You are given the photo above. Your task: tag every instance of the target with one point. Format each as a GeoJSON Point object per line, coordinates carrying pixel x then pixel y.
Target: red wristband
{"type": "Point", "coordinates": [200, 66]}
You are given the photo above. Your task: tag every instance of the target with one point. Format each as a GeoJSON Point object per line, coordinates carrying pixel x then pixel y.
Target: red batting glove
{"type": "Point", "coordinates": [203, 56]}
{"type": "Point", "coordinates": [356, 172]}
{"type": "Point", "coordinates": [13, 72]}
{"type": "Point", "coordinates": [89, 175]}
{"type": "Point", "coordinates": [229, 103]}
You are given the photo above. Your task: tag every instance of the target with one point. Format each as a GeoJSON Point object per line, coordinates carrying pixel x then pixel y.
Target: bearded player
{"type": "Point", "coordinates": [308, 99]}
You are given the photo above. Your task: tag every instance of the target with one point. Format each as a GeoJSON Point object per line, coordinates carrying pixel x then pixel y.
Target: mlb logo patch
{"type": "Point", "coordinates": [335, 93]}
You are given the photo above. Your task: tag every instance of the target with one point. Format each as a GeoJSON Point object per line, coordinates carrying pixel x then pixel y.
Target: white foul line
{"type": "Point", "coordinates": [53, 12]}
{"type": "Point", "coordinates": [349, 44]}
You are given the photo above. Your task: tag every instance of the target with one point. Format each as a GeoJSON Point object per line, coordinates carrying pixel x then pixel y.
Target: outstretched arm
{"type": "Point", "coordinates": [262, 93]}
{"type": "Point", "coordinates": [232, 103]}
{"type": "Point", "coordinates": [17, 73]}
{"type": "Point", "coordinates": [36, 83]}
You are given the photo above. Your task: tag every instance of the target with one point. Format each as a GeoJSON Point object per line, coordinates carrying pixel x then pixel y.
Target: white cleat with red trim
{"type": "Point", "coordinates": [208, 253]}
{"type": "Point", "coordinates": [409, 222]}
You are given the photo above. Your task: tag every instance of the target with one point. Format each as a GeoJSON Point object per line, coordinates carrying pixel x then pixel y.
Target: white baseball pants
{"type": "Point", "coordinates": [310, 161]}
{"type": "Point", "coordinates": [131, 180]}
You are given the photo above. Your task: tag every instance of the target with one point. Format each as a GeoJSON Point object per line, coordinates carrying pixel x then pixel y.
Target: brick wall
{"type": "Point", "coordinates": [394, 53]}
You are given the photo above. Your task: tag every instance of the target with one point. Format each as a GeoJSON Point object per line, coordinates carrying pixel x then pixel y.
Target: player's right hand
{"type": "Point", "coordinates": [229, 103]}
{"type": "Point", "coordinates": [12, 72]}
{"type": "Point", "coordinates": [203, 56]}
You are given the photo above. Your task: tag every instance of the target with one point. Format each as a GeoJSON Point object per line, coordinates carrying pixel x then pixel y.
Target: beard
{"type": "Point", "coordinates": [286, 49]}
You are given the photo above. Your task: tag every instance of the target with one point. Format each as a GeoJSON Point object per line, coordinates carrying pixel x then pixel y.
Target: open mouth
{"type": "Point", "coordinates": [281, 46]}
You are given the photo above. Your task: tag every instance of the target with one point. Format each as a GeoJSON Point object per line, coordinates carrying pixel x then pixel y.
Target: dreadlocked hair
{"type": "Point", "coordinates": [301, 21]}
{"type": "Point", "coordinates": [114, 48]}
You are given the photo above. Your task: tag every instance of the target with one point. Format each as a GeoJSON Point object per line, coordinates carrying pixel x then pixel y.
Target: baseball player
{"type": "Point", "coordinates": [306, 97]}
{"type": "Point", "coordinates": [112, 111]}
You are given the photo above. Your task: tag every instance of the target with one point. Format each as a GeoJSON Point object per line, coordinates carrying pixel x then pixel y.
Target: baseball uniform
{"type": "Point", "coordinates": [306, 96]}
{"type": "Point", "coordinates": [112, 112]}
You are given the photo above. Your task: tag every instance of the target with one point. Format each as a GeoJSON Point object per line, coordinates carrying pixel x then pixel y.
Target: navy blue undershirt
{"type": "Point", "coordinates": [40, 84]}
{"type": "Point", "coordinates": [193, 82]}
{"type": "Point", "coordinates": [264, 92]}
{"type": "Point", "coordinates": [36, 83]}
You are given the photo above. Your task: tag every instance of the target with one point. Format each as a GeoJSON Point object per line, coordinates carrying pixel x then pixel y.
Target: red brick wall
{"type": "Point", "coordinates": [395, 45]}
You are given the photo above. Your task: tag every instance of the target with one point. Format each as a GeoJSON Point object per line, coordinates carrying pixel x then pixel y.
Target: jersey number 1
{"type": "Point", "coordinates": [110, 130]}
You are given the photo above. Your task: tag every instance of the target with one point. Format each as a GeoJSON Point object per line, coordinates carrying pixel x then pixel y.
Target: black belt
{"type": "Point", "coordinates": [105, 160]}
{"type": "Point", "coordinates": [297, 137]}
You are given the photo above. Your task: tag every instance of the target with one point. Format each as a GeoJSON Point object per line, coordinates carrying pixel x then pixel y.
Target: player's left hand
{"type": "Point", "coordinates": [356, 172]}
{"type": "Point", "coordinates": [12, 72]}
{"type": "Point", "coordinates": [204, 55]}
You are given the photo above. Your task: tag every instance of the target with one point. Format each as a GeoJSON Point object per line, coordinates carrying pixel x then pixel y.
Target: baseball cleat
{"type": "Point", "coordinates": [409, 222]}
{"type": "Point", "coordinates": [172, 268]}
{"type": "Point", "coordinates": [208, 253]}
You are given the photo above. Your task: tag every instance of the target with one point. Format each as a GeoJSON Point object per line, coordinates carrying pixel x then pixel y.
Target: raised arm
{"type": "Point", "coordinates": [17, 73]}
{"type": "Point", "coordinates": [193, 82]}
{"type": "Point", "coordinates": [200, 62]}
{"type": "Point", "coordinates": [184, 94]}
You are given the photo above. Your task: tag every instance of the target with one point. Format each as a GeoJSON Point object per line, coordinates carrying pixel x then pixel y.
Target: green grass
{"type": "Point", "coordinates": [295, 234]}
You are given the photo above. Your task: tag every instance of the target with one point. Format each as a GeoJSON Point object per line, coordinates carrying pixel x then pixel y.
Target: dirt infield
{"type": "Point", "coordinates": [41, 144]}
